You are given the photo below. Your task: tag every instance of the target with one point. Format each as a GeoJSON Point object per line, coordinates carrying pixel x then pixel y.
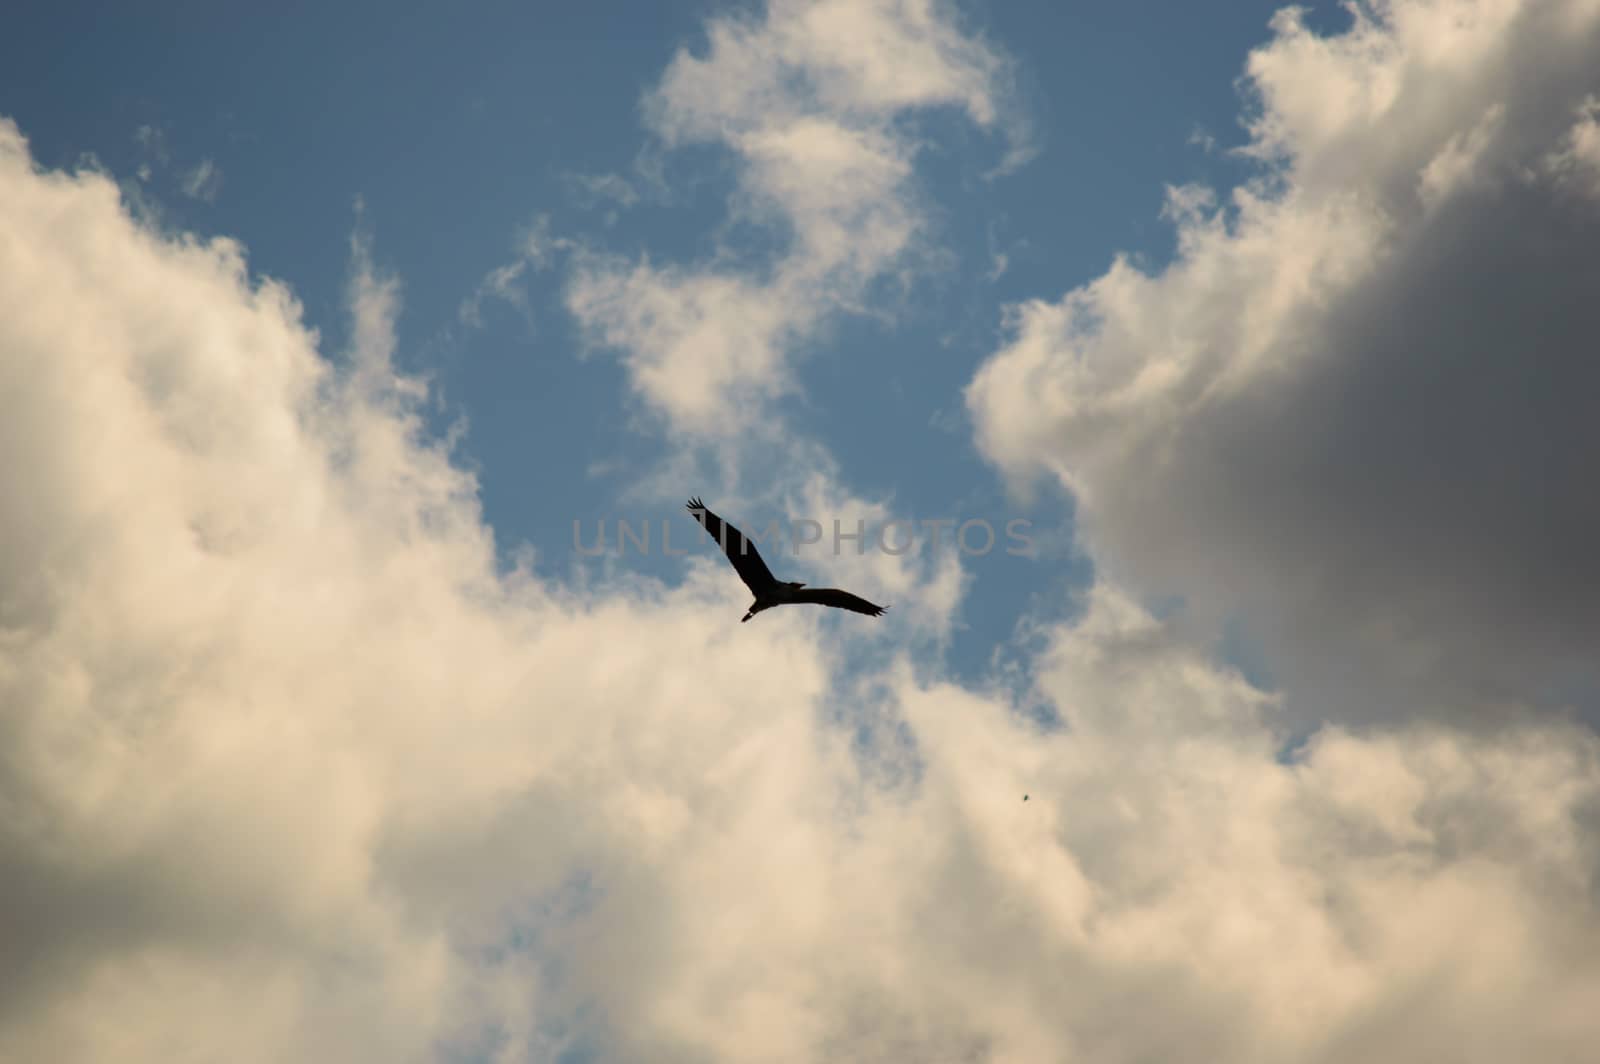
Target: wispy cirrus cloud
{"type": "Point", "coordinates": [202, 181]}
{"type": "Point", "coordinates": [536, 248]}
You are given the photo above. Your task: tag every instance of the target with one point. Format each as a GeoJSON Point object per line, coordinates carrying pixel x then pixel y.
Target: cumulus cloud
{"type": "Point", "coordinates": [291, 770]}
{"type": "Point", "coordinates": [1355, 409]}
{"type": "Point", "coordinates": [222, 828]}
{"type": "Point", "coordinates": [811, 99]}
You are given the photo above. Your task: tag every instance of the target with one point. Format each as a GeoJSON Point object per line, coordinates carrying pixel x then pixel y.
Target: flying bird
{"type": "Point", "coordinates": [768, 589]}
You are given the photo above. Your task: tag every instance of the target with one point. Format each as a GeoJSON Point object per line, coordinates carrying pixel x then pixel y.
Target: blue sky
{"type": "Point", "coordinates": [455, 132]}
{"type": "Point", "coordinates": [320, 328]}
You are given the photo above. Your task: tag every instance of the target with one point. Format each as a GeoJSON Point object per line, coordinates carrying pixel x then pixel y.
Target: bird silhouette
{"type": "Point", "coordinates": [768, 589]}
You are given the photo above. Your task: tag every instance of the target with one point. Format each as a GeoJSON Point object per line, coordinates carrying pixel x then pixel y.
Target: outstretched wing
{"type": "Point", "coordinates": [832, 596]}
{"type": "Point", "coordinates": [740, 551]}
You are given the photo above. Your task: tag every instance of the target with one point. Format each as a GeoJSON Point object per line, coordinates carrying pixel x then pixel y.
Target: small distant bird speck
{"type": "Point", "coordinates": [1024, 797]}
{"type": "Point", "coordinates": [768, 590]}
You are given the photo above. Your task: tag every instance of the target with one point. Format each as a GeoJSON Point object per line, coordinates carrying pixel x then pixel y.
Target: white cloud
{"type": "Point", "coordinates": [808, 97]}
{"type": "Point", "coordinates": [702, 346]}
{"type": "Point", "coordinates": [257, 664]}
{"type": "Point", "coordinates": [922, 586]}
{"type": "Point", "coordinates": [290, 771]}
{"type": "Point", "coordinates": [872, 59]}
{"type": "Point", "coordinates": [1353, 407]}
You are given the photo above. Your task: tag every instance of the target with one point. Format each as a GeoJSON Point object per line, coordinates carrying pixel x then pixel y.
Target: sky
{"type": "Point", "coordinates": [327, 335]}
